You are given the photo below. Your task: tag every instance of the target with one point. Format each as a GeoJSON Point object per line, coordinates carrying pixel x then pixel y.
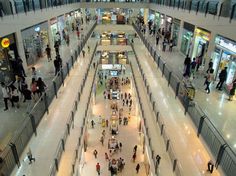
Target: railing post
{"type": "Point", "coordinates": [15, 153]}
{"type": "Point", "coordinates": [62, 76]}
{"type": "Point", "coordinates": [167, 144]}
{"type": "Point", "coordinates": [68, 128]}
{"type": "Point", "coordinates": [174, 164]}
{"type": "Point", "coordinates": [162, 128]}
{"type": "Point", "coordinates": [72, 61]}
{"type": "Point", "coordinates": [153, 105]}
{"type": "Point", "coordinates": [221, 7]}
{"type": "Point", "coordinates": [157, 116]}
{"type": "Point", "coordinates": [177, 89]}
{"type": "Point", "coordinates": [232, 13]}
{"type": "Point", "coordinates": [190, 6]}
{"type": "Point", "coordinates": [63, 144]}
{"type": "Point", "coordinates": [56, 163]}
{"type": "Point", "coordinates": [220, 154]}
{"type": "Point", "coordinates": [33, 124]}
{"type": "Point", "coordinates": [158, 61]}
{"type": "Point", "coordinates": [198, 3]}
{"type": "Point", "coordinates": [163, 69]}
{"type": "Point", "coordinates": [207, 6]}
{"type": "Point", "coordinates": [200, 125]}
{"type": "Point", "coordinates": [33, 5]}
{"type": "Point", "coordinates": [46, 102]}
{"type": "Point", "coordinates": [55, 88]}
{"type": "Point", "coordinates": [170, 73]}
{"type": "Point", "coordinates": [68, 68]}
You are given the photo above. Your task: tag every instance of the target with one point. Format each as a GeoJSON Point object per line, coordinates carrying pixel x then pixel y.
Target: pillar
{"type": "Point", "coordinates": [210, 50]}
{"type": "Point", "coordinates": [181, 29]}
{"type": "Point", "coordinates": [20, 48]}
{"type": "Point", "coordinates": [50, 37]}
{"type": "Point", "coordinates": [145, 15]}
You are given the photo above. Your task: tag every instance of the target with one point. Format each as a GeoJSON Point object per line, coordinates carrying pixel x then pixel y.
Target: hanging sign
{"type": "Point", "coordinates": [5, 42]}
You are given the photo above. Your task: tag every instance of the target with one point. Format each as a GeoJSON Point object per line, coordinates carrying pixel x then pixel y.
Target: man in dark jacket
{"type": "Point", "coordinates": [222, 77]}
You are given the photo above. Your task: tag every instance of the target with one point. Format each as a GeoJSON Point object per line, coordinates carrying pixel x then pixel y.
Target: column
{"type": "Point", "coordinates": [50, 37]}
{"type": "Point", "coordinates": [20, 48]}
{"type": "Point", "coordinates": [181, 29]}
{"type": "Point", "coordinates": [210, 49]}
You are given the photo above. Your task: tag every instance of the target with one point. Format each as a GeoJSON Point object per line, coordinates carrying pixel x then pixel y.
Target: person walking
{"type": "Point", "coordinates": [193, 67]}
{"type": "Point", "coordinates": [6, 95]}
{"type": "Point", "coordinates": [15, 96]}
{"type": "Point", "coordinates": [95, 153]}
{"type": "Point", "coordinates": [92, 123]}
{"type": "Point", "coordinates": [88, 49]}
{"type": "Point", "coordinates": [56, 66]}
{"type": "Point", "coordinates": [187, 64]}
{"type": "Point", "coordinates": [222, 78]}
{"type": "Point", "coordinates": [210, 166]}
{"type": "Point", "coordinates": [120, 146]}
{"type": "Point", "coordinates": [98, 167]}
{"type": "Point", "coordinates": [102, 140]}
{"type": "Point", "coordinates": [158, 159]}
{"type": "Point", "coordinates": [137, 168]}
{"type": "Point", "coordinates": [83, 53]}
{"type": "Point", "coordinates": [27, 96]}
{"type": "Point", "coordinates": [135, 148]}
{"type": "Point", "coordinates": [232, 90]}
{"type": "Point", "coordinates": [41, 86]}
{"type": "Point", "coordinates": [34, 73]}
{"type": "Point", "coordinates": [208, 81]}
{"type": "Point", "coordinates": [134, 157]}
{"type": "Point", "coordinates": [30, 156]}
{"type": "Point", "coordinates": [48, 52]}
{"type": "Point", "coordinates": [157, 39]}
{"type": "Point", "coordinates": [106, 157]}
{"type": "Point", "coordinates": [56, 46]}
{"type": "Point", "coordinates": [210, 65]}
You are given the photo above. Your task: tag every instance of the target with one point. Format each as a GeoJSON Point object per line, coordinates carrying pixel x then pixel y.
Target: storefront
{"type": "Point", "coordinates": [187, 37]}
{"type": "Point", "coordinates": [35, 39]}
{"type": "Point", "coordinates": [223, 56]}
{"type": "Point", "coordinates": [159, 20]}
{"type": "Point", "coordinates": [175, 31]}
{"type": "Point", "coordinates": [53, 28]}
{"type": "Point", "coordinates": [8, 55]}
{"type": "Point", "coordinates": [61, 24]}
{"type": "Point", "coordinates": [168, 24]}
{"type": "Point", "coordinates": [70, 21]}
{"type": "Point", "coordinates": [201, 42]}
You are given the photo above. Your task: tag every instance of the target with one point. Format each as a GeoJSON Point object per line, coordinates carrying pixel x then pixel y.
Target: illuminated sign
{"type": "Point", "coordinates": [5, 42]}
{"type": "Point", "coordinates": [223, 42]}
{"type": "Point", "coordinates": [205, 35]}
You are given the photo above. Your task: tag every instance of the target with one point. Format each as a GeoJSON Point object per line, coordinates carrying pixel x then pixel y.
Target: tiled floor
{"type": "Point", "coordinates": [215, 105]}
{"type": "Point", "coordinates": [13, 118]}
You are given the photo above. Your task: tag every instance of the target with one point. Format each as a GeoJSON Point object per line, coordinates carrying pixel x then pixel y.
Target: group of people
{"type": "Point", "coordinates": [15, 91]}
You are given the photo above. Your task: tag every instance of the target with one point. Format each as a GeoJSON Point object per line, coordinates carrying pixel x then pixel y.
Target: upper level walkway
{"type": "Point", "coordinates": [189, 150]}
{"type": "Point", "coordinates": [53, 127]}
{"type": "Point", "coordinates": [12, 119]}
{"type": "Point", "coordinates": [215, 105]}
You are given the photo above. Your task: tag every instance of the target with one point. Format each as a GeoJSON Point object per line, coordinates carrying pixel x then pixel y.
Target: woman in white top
{"type": "Point", "coordinates": [209, 79]}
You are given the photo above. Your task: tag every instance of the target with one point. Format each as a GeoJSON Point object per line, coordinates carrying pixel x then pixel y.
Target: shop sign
{"type": "Point", "coordinates": [176, 21]}
{"type": "Point", "coordinates": [205, 35]}
{"type": "Point", "coordinates": [225, 43]}
{"type": "Point", "coordinates": [5, 42]}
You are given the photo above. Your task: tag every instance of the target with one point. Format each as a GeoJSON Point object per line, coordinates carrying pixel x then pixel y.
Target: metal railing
{"type": "Point", "coordinates": [160, 120]}
{"type": "Point", "coordinates": [224, 9]}
{"type": "Point", "coordinates": [70, 122]}
{"type": "Point", "coordinates": [11, 153]}
{"type": "Point", "coordinates": [222, 152]}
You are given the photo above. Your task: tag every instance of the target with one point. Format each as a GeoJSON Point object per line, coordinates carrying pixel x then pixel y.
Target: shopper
{"type": "Point", "coordinates": [15, 97]}
{"type": "Point", "coordinates": [30, 156]}
{"type": "Point", "coordinates": [106, 157]}
{"type": "Point", "coordinates": [210, 166]}
{"type": "Point", "coordinates": [41, 86]}
{"type": "Point", "coordinates": [34, 88]}
{"type": "Point", "coordinates": [171, 44]}
{"type": "Point", "coordinates": [95, 153]}
{"type": "Point", "coordinates": [88, 49]}
{"type": "Point", "coordinates": [120, 146]}
{"type": "Point", "coordinates": [56, 65]}
{"type": "Point", "coordinates": [6, 95]}
{"type": "Point", "coordinates": [232, 90]}
{"type": "Point", "coordinates": [135, 148]}
{"type": "Point", "coordinates": [208, 80]}
{"type": "Point", "coordinates": [48, 52]}
{"type": "Point", "coordinates": [83, 53]}
{"type": "Point", "coordinates": [56, 46]}
{"type": "Point", "coordinates": [92, 123]}
{"type": "Point", "coordinates": [134, 157]}
{"type": "Point", "coordinates": [210, 65]}
{"type": "Point", "coordinates": [137, 168]}
{"type": "Point", "coordinates": [222, 78]}
{"type": "Point", "coordinates": [98, 168]}
{"type": "Point", "coordinates": [187, 64]}
{"type": "Point", "coordinates": [102, 140]}
{"type": "Point", "coordinates": [193, 67]}
{"type": "Point", "coordinates": [158, 159]}
{"type": "Point", "coordinates": [20, 67]}
{"type": "Point", "coordinates": [34, 73]}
